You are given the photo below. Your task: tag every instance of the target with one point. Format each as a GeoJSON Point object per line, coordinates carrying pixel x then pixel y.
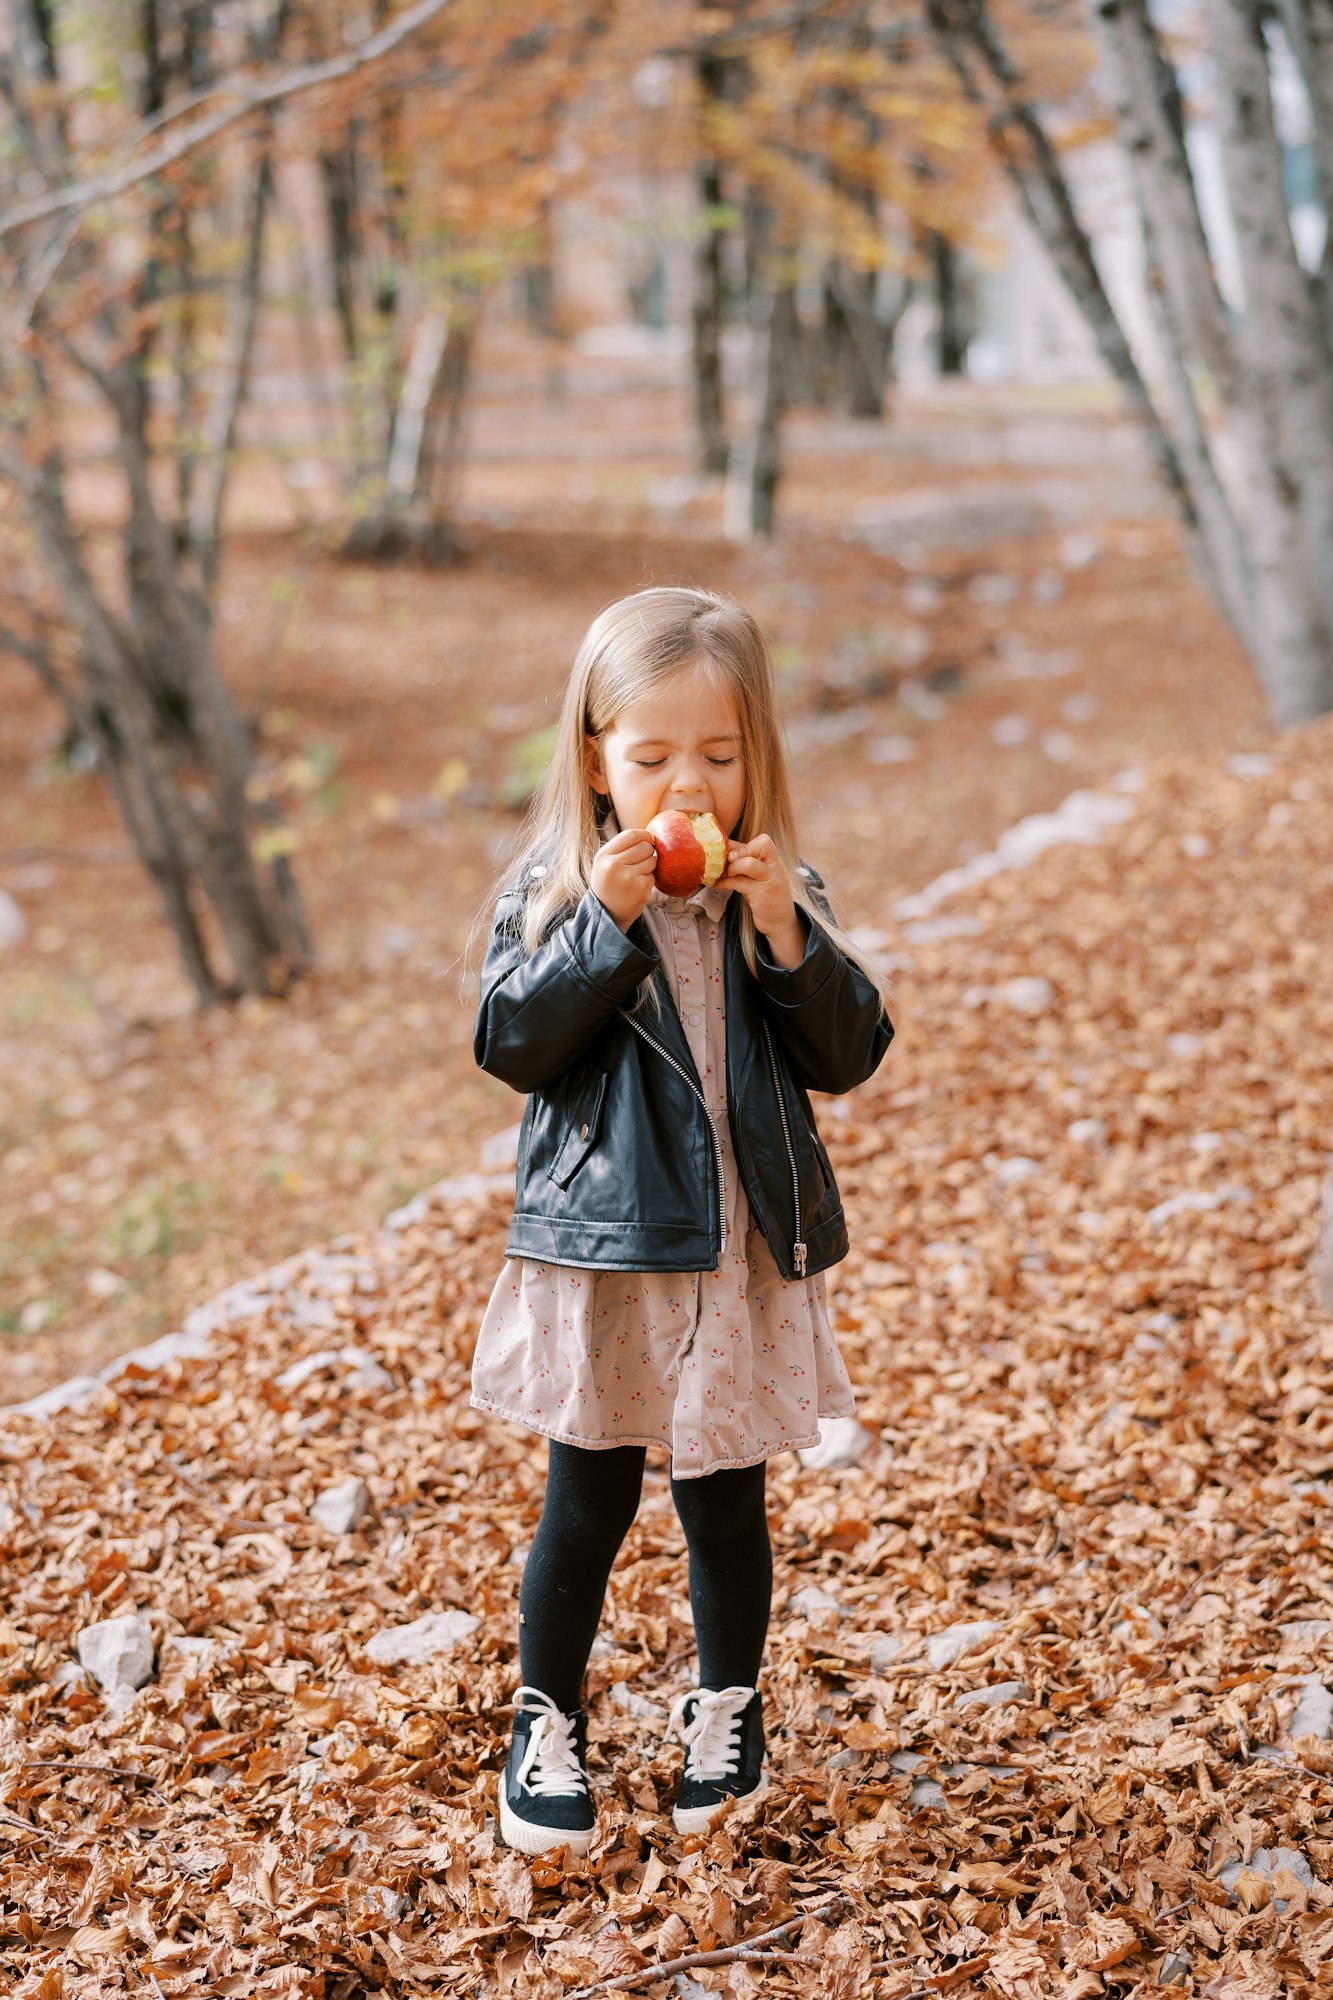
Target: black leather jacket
{"type": "Point", "coordinates": [619, 1165]}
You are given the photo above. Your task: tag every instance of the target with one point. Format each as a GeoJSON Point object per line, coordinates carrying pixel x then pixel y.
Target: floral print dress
{"type": "Point", "coordinates": [724, 1367]}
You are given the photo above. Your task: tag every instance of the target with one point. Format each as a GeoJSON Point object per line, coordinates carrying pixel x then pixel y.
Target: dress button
{"type": "Point", "coordinates": [694, 1020]}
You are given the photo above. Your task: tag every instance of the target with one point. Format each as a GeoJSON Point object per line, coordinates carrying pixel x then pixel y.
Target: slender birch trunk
{"type": "Point", "coordinates": [1252, 479]}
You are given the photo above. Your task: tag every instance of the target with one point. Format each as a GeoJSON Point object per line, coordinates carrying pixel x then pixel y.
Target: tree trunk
{"type": "Point", "coordinates": [1260, 537]}
{"type": "Point", "coordinates": [952, 333]}
{"type": "Point", "coordinates": [756, 459]}
{"type": "Point", "coordinates": [708, 307]}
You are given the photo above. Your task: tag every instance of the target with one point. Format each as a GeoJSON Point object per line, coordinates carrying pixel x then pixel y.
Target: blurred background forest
{"type": "Point", "coordinates": [352, 358]}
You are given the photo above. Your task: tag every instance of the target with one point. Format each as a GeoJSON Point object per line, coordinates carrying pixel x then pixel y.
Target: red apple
{"type": "Point", "coordinates": [691, 851]}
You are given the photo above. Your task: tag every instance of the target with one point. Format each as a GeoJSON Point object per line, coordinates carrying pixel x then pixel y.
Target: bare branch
{"type": "Point", "coordinates": [744, 1948]}
{"type": "Point", "coordinates": [248, 95]}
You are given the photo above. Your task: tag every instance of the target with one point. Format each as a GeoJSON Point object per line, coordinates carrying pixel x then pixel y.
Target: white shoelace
{"type": "Point", "coordinates": [712, 1736]}
{"type": "Point", "coordinates": [550, 1763]}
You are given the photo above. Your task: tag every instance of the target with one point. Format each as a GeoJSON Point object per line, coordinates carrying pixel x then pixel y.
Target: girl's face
{"type": "Point", "coordinates": [678, 749]}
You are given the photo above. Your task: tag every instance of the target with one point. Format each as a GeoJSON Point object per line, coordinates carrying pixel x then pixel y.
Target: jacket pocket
{"type": "Point", "coordinates": [585, 1122]}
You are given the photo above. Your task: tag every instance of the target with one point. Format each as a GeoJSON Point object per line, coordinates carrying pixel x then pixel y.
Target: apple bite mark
{"type": "Point", "coordinates": [691, 851]}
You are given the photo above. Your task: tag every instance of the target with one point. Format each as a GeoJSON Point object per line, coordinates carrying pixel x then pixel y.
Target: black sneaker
{"type": "Point", "coordinates": [543, 1788]}
{"type": "Point", "coordinates": [723, 1733]}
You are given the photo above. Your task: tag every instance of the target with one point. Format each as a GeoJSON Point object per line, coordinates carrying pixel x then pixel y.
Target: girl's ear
{"type": "Point", "coordinates": [593, 768]}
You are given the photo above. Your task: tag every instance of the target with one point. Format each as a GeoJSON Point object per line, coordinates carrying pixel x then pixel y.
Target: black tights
{"type": "Point", "coordinates": [591, 1499]}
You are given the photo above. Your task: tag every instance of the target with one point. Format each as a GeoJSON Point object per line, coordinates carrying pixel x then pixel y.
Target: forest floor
{"type": "Point", "coordinates": [148, 1154]}
{"type": "Point", "coordinates": [1044, 1680]}
{"type": "Point", "coordinates": [1046, 1676]}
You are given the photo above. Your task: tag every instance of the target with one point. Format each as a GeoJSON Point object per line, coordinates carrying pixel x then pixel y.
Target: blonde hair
{"type": "Point", "coordinates": [631, 648]}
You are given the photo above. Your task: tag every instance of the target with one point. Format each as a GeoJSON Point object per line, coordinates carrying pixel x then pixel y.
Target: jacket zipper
{"type": "Point", "coordinates": [681, 1071]}
{"type": "Point", "coordinates": [798, 1249]}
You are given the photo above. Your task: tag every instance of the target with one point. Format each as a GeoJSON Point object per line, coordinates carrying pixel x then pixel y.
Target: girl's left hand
{"type": "Point", "coordinates": [755, 870]}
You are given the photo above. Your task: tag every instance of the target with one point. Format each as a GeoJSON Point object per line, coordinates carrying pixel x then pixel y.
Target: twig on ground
{"type": "Point", "coordinates": [744, 1949]}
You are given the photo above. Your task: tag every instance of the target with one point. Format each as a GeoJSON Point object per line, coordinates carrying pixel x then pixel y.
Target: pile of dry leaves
{"type": "Point", "coordinates": [1033, 1660]}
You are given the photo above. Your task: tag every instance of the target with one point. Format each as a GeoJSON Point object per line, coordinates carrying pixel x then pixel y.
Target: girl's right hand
{"type": "Point", "coordinates": [622, 875]}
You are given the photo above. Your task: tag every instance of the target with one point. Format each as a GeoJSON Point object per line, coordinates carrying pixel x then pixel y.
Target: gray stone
{"type": "Point", "coordinates": [13, 923]}
{"type": "Point", "coordinates": [118, 1653]}
{"type": "Point", "coordinates": [995, 1695]}
{"type": "Point", "coordinates": [1313, 1714]}
{"type": "Point", "coordinates": [884, 1650]}
{"type": "Point", "coordinates": [362, 1369]}
{"type": "Point", "coordinates": [1087, 1132]}
{"type": "Point", "coordinates": [1175, 1967]}
{"type": "Point", "coordinates": [408, 1645]}
{"type": "Point", "coordinates": [501, 1149]}
{"type": "Point", "coordinates": [340, 1507]}
{"type": "Point", "coordinates": [1198, 1200]}
{"type": "Point", "coordinates": [926, 1792]}
{"type": "Point", "coordinates": [843, 1442]}
{"type": "Point", "coordinates": [8, 1517]}
{"type": "Point", "coordinates": [1013, 1172]}
{"type": "Point", "coordinates": [1306, 1628]}
{"type": "Point", "coordinates": [950, 1644]}
{"type": "Point", "coordinates": [1269, 1861]}
{"type": "Point", "coordinates": [70, 1395]}
{"type": "Point", "coordinates": [813, 1601]}
{"type": "Point", "coordinates": [1031, 995]}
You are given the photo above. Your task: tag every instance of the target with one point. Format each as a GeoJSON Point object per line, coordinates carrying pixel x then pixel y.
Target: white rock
{"type": "Point", "coordinates": [1087, 1132]}
{"type": "Point", "coordinates": [633, 1703]}
{"type": "Point", "coordinates": [890, 750]}
{"type": "Point", "coordinates": [1306, 1628]}
{"type": "Point", "coordinates": [950, 1644]}
{"type": "Point", "coordinates": [1084, 816]}
{"type": "Point", "coordinates": [1078, 548]}
{"type": "Point", "coordinates": [1195, 1200]}
{"type": "Point", "coordinates": [935, 930]}
{"type": "Point", "coordinates": [1130, 780]}
{"type": "Point", "coordinates": [1205, 1142]}
{"type": "Point", "coordinates": [363, 1370]}
{"type": "Point", "coordinates": [13, 923]}
{"type": "Point", "coordinates": [1313, 1714]}
{"type": "Point", "coordinates": [1027, 996]}
{"type": "Point", "coordinates": [409, 1645]}
{"type": "Point", "coordinates": [843, 1442]}
{"type": "Point", "coordinates": [1012, 1172]}
{"type": "Point", "coordinates": [8, 1518]}
{"type": "Point", "coordinates": [1269, 1861]}
{"type": "Point", "coordinates": [501, 1149]}
{"type": "Point", "coordinates": [1058, 745]}
{"type": "Point", "coordinates": [1184, 1046]}
{"type": "Point", "coordinates": [70, 1395]}
{"type": "Point", "coordinates": [446, 1195]}
{"type": "Point", "coordinates": [813, 1602]}
{"type": "Point", "coordinates": [1196, 845]}
{"type": "Point", "coordinates": [884, 1650]}
{"type": "Point", "coordinates": [1011, 730]}
{"type": "Point", "coordinates": [995, 1695]}
{"type": "Point", "coordinates": [118, 1653]}
{"type": "Point", "coordinates": [1078, 707]}
{"type": "Point", "coordinates": [1250, 764]}
{"type": "Point", "coordinates": [340, 1507]}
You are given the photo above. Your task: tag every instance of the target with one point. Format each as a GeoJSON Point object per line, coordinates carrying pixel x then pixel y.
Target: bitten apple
{"type": "Point", "coordinates": [691, 851]}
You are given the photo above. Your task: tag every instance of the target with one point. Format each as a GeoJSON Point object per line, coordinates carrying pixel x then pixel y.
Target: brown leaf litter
{"type": "Point", "coordinates": [1080, 1318]}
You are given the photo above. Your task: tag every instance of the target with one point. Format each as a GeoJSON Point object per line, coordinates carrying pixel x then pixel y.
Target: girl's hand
{"type": "Point", "coordinates": [755, 870]}
{"type": "Point", "coordinates": [622, 875]}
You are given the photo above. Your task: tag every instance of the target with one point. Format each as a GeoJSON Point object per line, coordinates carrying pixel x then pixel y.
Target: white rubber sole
{"type": "Point", "coordinates": [529, 1838]}
{"type": "Point", "coordinates": [698, 1819]}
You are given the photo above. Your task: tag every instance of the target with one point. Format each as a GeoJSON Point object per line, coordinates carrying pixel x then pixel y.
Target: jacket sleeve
{"type": "Point", "coordinates": [833, 1024]}
{"type": "Point", "coordinates": [538, 1014]}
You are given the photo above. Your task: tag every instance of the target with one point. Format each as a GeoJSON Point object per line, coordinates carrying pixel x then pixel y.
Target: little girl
{"type": "Point", "coordinates": [675, 1208]}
